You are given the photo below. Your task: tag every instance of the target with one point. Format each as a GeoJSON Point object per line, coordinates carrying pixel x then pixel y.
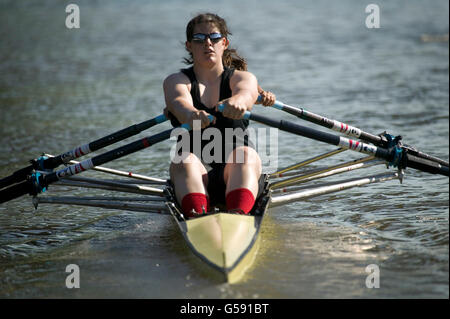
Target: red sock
{"type": "Point", "coordinates": [240, 198]}
{"type": "Point", "coordinates": [194, 201]}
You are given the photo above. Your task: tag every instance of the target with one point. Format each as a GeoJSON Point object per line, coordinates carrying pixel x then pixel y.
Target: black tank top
{"type": "Point", "coordinates": [221, 122]}
{"type": "Point", "coordinates": [225, 93]}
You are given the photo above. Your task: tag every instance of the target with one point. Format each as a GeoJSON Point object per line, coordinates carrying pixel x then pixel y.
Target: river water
{"type": "Point", "coordinates": [62, 87]}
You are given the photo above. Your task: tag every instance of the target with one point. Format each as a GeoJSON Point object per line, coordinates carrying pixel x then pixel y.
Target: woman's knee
{"type": "Point", "coordinates": [244, 155]}
{"type": "Point", "coordinates": [187, 164]}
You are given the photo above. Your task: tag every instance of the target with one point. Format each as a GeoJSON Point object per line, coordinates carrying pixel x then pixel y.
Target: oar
{"type": "Point", "coordinates": [393, 155]}
{"type": "Point", "coordinates": [52, 162]}
{"type": "Point", "coordinates": [349, 130]}
{"type": "Point", "coordinates": [35, 183]}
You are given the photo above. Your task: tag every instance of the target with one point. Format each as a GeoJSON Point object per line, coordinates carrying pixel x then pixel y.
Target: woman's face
{"type": "Point", "coordinates": [207, 53]}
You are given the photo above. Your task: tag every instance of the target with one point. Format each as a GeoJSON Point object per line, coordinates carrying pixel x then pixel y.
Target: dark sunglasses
{"type": "Point", "coordinates": [201, 37]}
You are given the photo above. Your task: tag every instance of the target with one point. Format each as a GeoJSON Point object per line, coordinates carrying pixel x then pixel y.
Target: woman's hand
{"type": "Point", "coordinates": [234, 109]}
{"type": "Point", "coordinates": [201, 116]}
{"type": "Point", "coordinates": [267, 98]}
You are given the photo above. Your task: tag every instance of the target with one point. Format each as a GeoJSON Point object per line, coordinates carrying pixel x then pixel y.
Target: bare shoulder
{"type": "Point", "coordinates": [175, 79]}
{"type": "Point", "coordinates": [243, 79]}
{"type": "Point", "coordinates": [176, 86]}
{"type": "Point", "coordinates": [239, 75]}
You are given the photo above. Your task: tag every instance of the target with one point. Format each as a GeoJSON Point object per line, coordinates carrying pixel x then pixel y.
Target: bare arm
{"type": "Point", "coordinates": [244, 88]}
{"type": "Point", "coordinates": [179, 100]}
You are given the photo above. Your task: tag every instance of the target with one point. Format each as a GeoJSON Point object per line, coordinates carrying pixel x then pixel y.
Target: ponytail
{"type": "Point", "coordinates": [231, 59]}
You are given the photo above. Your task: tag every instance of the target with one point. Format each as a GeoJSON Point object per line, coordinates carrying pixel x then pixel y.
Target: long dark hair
{"type": "Point", "coordinates": [230, 56]}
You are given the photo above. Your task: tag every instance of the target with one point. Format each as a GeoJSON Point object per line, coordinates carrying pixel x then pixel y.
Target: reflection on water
{"type": "Point", "coordinates": [60, 88]}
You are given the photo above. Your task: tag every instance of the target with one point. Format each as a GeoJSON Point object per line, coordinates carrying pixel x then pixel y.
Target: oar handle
{"type": "Point", "coordinates": [188, 126]}
{"type": "Point", "coordinates": [278, 105]}
{"type": "Point", "coordinates": [247, 114]}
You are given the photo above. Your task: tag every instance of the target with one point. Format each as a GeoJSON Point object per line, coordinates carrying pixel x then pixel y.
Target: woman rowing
{"type": "Point", "coordinates": [218, 76]}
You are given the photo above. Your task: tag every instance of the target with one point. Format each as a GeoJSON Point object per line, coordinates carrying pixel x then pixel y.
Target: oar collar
{"type": "Point", "coordinates": [394, 145]}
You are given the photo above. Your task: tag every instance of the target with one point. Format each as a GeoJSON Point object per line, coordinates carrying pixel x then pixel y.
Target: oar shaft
{"type": "Point", "coordinates": [103, 142]}
{"type": "Point", "coordinates": [16, 190]}
{"type": "Point", "coordinates": [108, 156]}
{"type": "Point", "coordinates": [348, 130]}
{"type": "Point", "coordinates": [136, 177]}
{"type": "Point", "coordinates": [426, 165]}
{"type": "Point", "coordinates": [379, 152]}
{"type": "Point", "coordinates": [320, 136]}
{"type": "Point", "coordinates": [16, 177]}
{"type": "Point", "coordinates": [82, 150]}
{"type": "Point", "coordinates": [328, 123]}
{"type": "Point", "coordinates": [26, 187]}
{"type": "Point", "coordinates": [425, 156]}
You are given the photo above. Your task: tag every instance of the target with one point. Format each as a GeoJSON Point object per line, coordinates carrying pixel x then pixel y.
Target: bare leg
{"type": "Point", "coordinates": [189, 176]}
{"type": "Point", "coordinates": [243, 175]}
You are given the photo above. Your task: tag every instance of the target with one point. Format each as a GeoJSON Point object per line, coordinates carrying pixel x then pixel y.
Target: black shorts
{"type": "Point", "coordinates": [227, 145]}
{"type": "Point", "coordinates": [217, 187]}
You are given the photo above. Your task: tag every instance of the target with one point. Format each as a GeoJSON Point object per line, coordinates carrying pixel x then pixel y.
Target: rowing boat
{"type": "Point", "coordinates": [226, 241]}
